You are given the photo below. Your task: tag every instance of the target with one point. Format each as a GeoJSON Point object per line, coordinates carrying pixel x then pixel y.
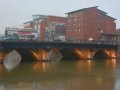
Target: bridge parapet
{"type": "Point", "coordinates": [87, 49]}
{"type": "Point", "coordinates": [35, 44]}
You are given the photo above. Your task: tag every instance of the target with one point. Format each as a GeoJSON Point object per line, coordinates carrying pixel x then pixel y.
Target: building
{"type": "Point", "coordinates": [46, 26]}
{"type": "Point", "coordinates": [55, 30]}
{"type": "Point", "coordinates": [88, 24]}
{"type": "Point", "coordinates": [20, 34]}
{"type": "Point", "coordinates": [29, 24]}
{"type": "Point", "coordinates": [2, 37]}
{"type": "Point", "coordinates": [118, 33]}
{"type": "Point", "coordinates": [60, 32]}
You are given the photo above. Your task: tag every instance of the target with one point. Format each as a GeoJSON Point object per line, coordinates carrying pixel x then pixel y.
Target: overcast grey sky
{"type": "Point", "coordinates": [16, 12]}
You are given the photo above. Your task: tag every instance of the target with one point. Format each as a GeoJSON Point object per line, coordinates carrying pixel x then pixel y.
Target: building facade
{"type": "Point", "coordinates": [46, 26]}
{"type": "Point", "coordinates": [118, 33]}
{"type": "Point", "coordinates": [87, 24]}
{"type": "Point", "coordinates": [55, 30]}
{"type": "Point", "coordinates": [20, 34]}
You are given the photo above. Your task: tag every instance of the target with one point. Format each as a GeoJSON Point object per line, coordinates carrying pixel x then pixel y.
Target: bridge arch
{"type": "Point", "coordinates": [25, 54]}
{"type": "Point", "coordinates": [29, 54]}
{"type": "Point", "coordinates": [105, 53]}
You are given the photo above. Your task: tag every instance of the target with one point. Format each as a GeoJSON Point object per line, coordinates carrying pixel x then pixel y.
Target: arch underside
{"type": "Point", "coordinates": [65, 53]}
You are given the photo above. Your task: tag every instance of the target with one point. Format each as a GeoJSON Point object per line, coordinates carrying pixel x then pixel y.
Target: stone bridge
{"type": "Point", "coordinates": [50, 50]}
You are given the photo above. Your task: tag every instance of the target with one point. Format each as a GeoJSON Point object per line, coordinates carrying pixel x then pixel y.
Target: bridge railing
{"type": "Point", "coordinates": [96, 42]}
{"type": "Point", "coordinates": [80, 42]}
{"type": "Point", "coordinates": [37, 44]}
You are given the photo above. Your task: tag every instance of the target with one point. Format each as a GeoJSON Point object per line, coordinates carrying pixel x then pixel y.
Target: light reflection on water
{"type": "Point", "coordinates": [65, 75]}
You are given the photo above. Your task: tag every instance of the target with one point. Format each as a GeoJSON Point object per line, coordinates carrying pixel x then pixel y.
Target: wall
{"type": "Point", "coordinates": [89, 23]}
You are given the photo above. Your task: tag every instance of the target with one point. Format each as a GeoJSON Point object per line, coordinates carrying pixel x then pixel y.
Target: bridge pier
{"type": "Point", "coordinates": [85, 53]}
{"type": "Point", "coordinates": [3, 53]}
{"type": "Point", "coordinates": [78, 53]}
{"type": "Point", "coordinates": [118, 54]}
{"type": "Point", "coordinates": [49, 52]}
{"type": "Point", "coordinates": [46, 54]}
{"type": "Point", "coordinates": [105, 53]}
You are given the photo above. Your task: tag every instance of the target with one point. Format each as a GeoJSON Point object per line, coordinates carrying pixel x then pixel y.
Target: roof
{"type": "Point", "coordinates": [84, 9]}
{"type": "Point", "coordinates": [111, 17]}
{"type": "Point", "coordinates": [55, 16]}
{"type": "Point", "coordinates": [28, 22]}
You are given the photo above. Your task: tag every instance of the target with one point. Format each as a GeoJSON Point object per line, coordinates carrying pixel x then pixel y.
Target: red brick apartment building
{"type": "Point", "coordinates": [43, 22]}
{"type": "Point", "coordinates": [118, 33]}
{"type": "Point", "coordinates": [88, 24]}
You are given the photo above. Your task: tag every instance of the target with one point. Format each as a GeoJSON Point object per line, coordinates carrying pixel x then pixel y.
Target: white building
{"type": "Point", "coordinates": [20, 33]}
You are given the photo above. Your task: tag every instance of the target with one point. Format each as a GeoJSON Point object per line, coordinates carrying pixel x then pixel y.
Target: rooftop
{"type": "Point", "coordinates": [84, 9]}
{"type": "Point", "coordinates": [111, 17]}
{"type": "Point", "coordinates": [28, 22]}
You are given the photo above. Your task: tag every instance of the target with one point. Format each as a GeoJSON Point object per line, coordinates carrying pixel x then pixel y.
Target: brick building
{"type": "Point", "coordinates": [46, 26]}
{"type": "Point", "coordinates": [55, 29]}
{"type": "Point", "coordinates": [118, 33]}
{"type": "Point", "coordinates": [88, 24]}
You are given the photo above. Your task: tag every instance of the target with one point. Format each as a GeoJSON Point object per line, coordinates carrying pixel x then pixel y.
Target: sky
{"type": "Point", "coordinates": [13, 13]}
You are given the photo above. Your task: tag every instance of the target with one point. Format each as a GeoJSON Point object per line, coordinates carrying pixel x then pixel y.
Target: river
{"type": "Point", "coordinates": [62, 75]}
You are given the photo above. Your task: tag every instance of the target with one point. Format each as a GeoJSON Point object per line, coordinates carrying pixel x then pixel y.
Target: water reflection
{"type": "Point", "coordinates": [12, 60]}
{"type": "Point", "coordinates": [84, 65]}
{"type": "Point", "coordinates": [40, 66]}
{"type": "Point", "coordinates": [65, 75]}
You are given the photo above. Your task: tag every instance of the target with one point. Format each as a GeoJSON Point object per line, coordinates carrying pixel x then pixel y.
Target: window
{"type": "Point", "coordinates": [69, 20]}
{"type": "Point", "coordinates": [74, 19]}
{"type": "Point", "coordinates": [71, 15]}
{"type": "Point", "coordinates": [74, 24]}
{"type": "Point", "coordinates": [85, 18]}
{"type": "Point", "coordinates": [39, 20]}
{"type": "Point", "coordinates": [76, 30]}
{"type": "Point", "coordinates": [68, 28]}
{"type": "Point", "coordinates": [35, 26]}
{"type": "Point", "coordinates": [79, 19]}
{"type": "Point", "coordinates": [100, 26]}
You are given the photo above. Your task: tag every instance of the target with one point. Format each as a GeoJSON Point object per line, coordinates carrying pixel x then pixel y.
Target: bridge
{"type": "Point", "coordinates": [81, 50]}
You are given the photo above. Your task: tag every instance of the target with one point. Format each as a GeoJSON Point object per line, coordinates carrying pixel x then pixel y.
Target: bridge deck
{"type": "Point", "coordinates": [34, 44]}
